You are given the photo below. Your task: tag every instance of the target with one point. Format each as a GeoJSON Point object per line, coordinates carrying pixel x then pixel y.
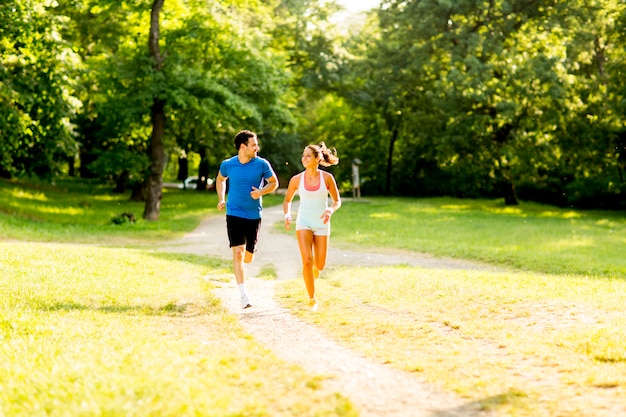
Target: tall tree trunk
{"type": "Point", "coordinates": [393, 124]}
{"type": "Point", "coordinates": [183, 167]}
{"type": "Point", "coordinates": [157, 148]}
{"type": "Point", "coordinates": [506, 185]}
{"type": "Point", "coordinates": [203, 171]}
{"type": "Point", "coordinates": [510, 196]}
{"type": "Point", "coordinates": [392, 144]}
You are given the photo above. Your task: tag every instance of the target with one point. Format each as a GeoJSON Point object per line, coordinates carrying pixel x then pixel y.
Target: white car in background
{"type": "Point", "coordinates": [191, 183]}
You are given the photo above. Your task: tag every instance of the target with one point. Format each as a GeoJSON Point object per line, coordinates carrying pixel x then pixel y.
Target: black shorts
{"type": "Point", "coordinates": [243, 232]}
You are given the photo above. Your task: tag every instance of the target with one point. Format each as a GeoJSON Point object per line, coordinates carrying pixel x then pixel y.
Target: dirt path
{"type": "Point", "coordinates": [376, 389]}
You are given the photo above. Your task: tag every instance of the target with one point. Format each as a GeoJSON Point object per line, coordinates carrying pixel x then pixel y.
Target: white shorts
{"type": "Point", "coordinates": [317, 231]}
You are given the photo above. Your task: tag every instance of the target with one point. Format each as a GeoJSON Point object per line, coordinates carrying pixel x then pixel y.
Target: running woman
{"type": "Point", "coordinates": [313, 219]}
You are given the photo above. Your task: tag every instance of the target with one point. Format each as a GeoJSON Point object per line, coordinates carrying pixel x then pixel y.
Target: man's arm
{"type": "Point", "coordinates": [220, 187]}
{"type": "Point", "coordinates": [272, 184]}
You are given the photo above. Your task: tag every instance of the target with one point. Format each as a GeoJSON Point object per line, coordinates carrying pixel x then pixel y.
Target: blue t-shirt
{"type": "Point", "coordinates": [241, 179]}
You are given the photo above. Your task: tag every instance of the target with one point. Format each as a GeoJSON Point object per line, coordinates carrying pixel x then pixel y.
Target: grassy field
{"type": "Point", "coordinates": [95, 321]}
{"type": "Point", "coordinates": [73, 211]}
{"type": "Point", "coordinates": [531, 236]}
{"type": "Point", "coordinates": [542, 334]}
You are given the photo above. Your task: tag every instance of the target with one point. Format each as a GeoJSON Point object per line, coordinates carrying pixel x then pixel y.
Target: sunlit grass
{"type": "Point", "coordinates": [94, 331]}
{"type": "Point", "coordinates": [544, 338]}
{"type": "Point", "coordinates": [81, 212]}
{"type": "Point", "coordinates": [93, 327]}
{"type": "Point", "coordinates": [526, 344]}
{"type": "Point", "coordinates": [530, 236]}
{"type": "Point", "coordinates": [74, 210]}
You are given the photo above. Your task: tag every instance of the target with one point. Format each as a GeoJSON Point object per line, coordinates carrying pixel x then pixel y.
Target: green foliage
{"type": "Point", "coordinates": [36, 87]}
{"type": "Point", "coordinates": [480, 97]}
{"type": "Point", "coordinates": [122, 165]}
{"type": "Point", "coordinates": [596, 192]}
{"type": "Point", "coordinates": [220, 79]}
{"type": "Point", "coordinates": [209, 97]}
{"type": "Point", "coordinates": [124, 218]}
{"type": "Point", "coordinates": [436, 98]}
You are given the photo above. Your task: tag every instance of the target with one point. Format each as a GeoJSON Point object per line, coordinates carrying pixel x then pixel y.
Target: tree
{"type": "Point", "coordinates": [203, 92]}
{"type": "Point", "coordinates": [157, 113]}
{"type": "Point", "coordinates": [592, 142]}
{"type": "Point", "coordinates": [479, 92]}
{"type": "Point", "coordinates": [36, 91]}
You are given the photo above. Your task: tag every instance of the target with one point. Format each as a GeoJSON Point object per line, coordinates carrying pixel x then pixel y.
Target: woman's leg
{"type": "Point", "coordinates": [320, 250]}
{"type": "Point", "coordinates": [305, 243]}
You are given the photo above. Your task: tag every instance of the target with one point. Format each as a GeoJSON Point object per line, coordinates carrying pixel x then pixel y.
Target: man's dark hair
{"type": "Point", "coordinates": [242, 138]}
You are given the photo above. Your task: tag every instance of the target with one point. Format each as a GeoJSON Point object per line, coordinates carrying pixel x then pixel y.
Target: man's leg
{"type": "Point", "coordinates": [252, 236]}
{"type": "Point", "coordinates": [240, 274]}
{"type": "Point", "coordinates": [236, 235]}
{"type": "Point", "coordinates": [238, 264]}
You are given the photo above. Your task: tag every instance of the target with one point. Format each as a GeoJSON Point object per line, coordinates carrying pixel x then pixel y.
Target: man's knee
{"type": "Point", "coordinates": [238, 252]}
{"type": "Point", "coordinates": [249, 257]}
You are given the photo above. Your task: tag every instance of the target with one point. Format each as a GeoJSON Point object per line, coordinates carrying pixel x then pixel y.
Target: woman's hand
{"type": "Point", "coordinates": [326, 215]}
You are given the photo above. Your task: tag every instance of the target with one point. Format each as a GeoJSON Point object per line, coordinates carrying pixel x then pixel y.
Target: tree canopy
{"type": "Point", "coordinates": [508, 98]}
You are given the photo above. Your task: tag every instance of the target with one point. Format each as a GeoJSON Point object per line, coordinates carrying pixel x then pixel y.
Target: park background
{"type": "Point", "coordinates": [487, 131]}
{"type": "Point", "coordinates": [509, 99]}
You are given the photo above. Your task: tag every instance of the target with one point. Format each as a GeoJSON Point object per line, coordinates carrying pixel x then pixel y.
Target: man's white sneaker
{"type": "Point", "coordinates": [245, 302]}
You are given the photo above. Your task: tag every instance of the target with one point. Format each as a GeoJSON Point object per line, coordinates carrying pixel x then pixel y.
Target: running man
{"type": "Point", "coordinates": [245, 173]}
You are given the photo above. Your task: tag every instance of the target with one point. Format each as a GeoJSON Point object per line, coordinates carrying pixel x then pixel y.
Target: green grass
{"type": "Point", "coordinates": [546, 337]}
{"type": "Point", "coordinates": [558, 342]}
{"type": "Point", "coordinates": [106, 331]}
{"type": "Point", "coordinates": [93, 321]}
{"type": "Point", "coordinates": [79, 211]}
{"type": "Point", "coordinates": [530, 236]}
{"type": "Point", "coordinates": [119, 330]}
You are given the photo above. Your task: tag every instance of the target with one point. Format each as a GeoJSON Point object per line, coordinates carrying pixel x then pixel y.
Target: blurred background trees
{"type": "Point", "coordinates": [512, 99]}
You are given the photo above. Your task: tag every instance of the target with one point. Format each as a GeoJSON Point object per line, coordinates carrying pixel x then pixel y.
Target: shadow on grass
{"type": "Point", "coordinates": [170, 308]}
{"type": "Point", "coordinates": [200, 260]}
{"type": "Point", "coordinates": [486, 406]}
